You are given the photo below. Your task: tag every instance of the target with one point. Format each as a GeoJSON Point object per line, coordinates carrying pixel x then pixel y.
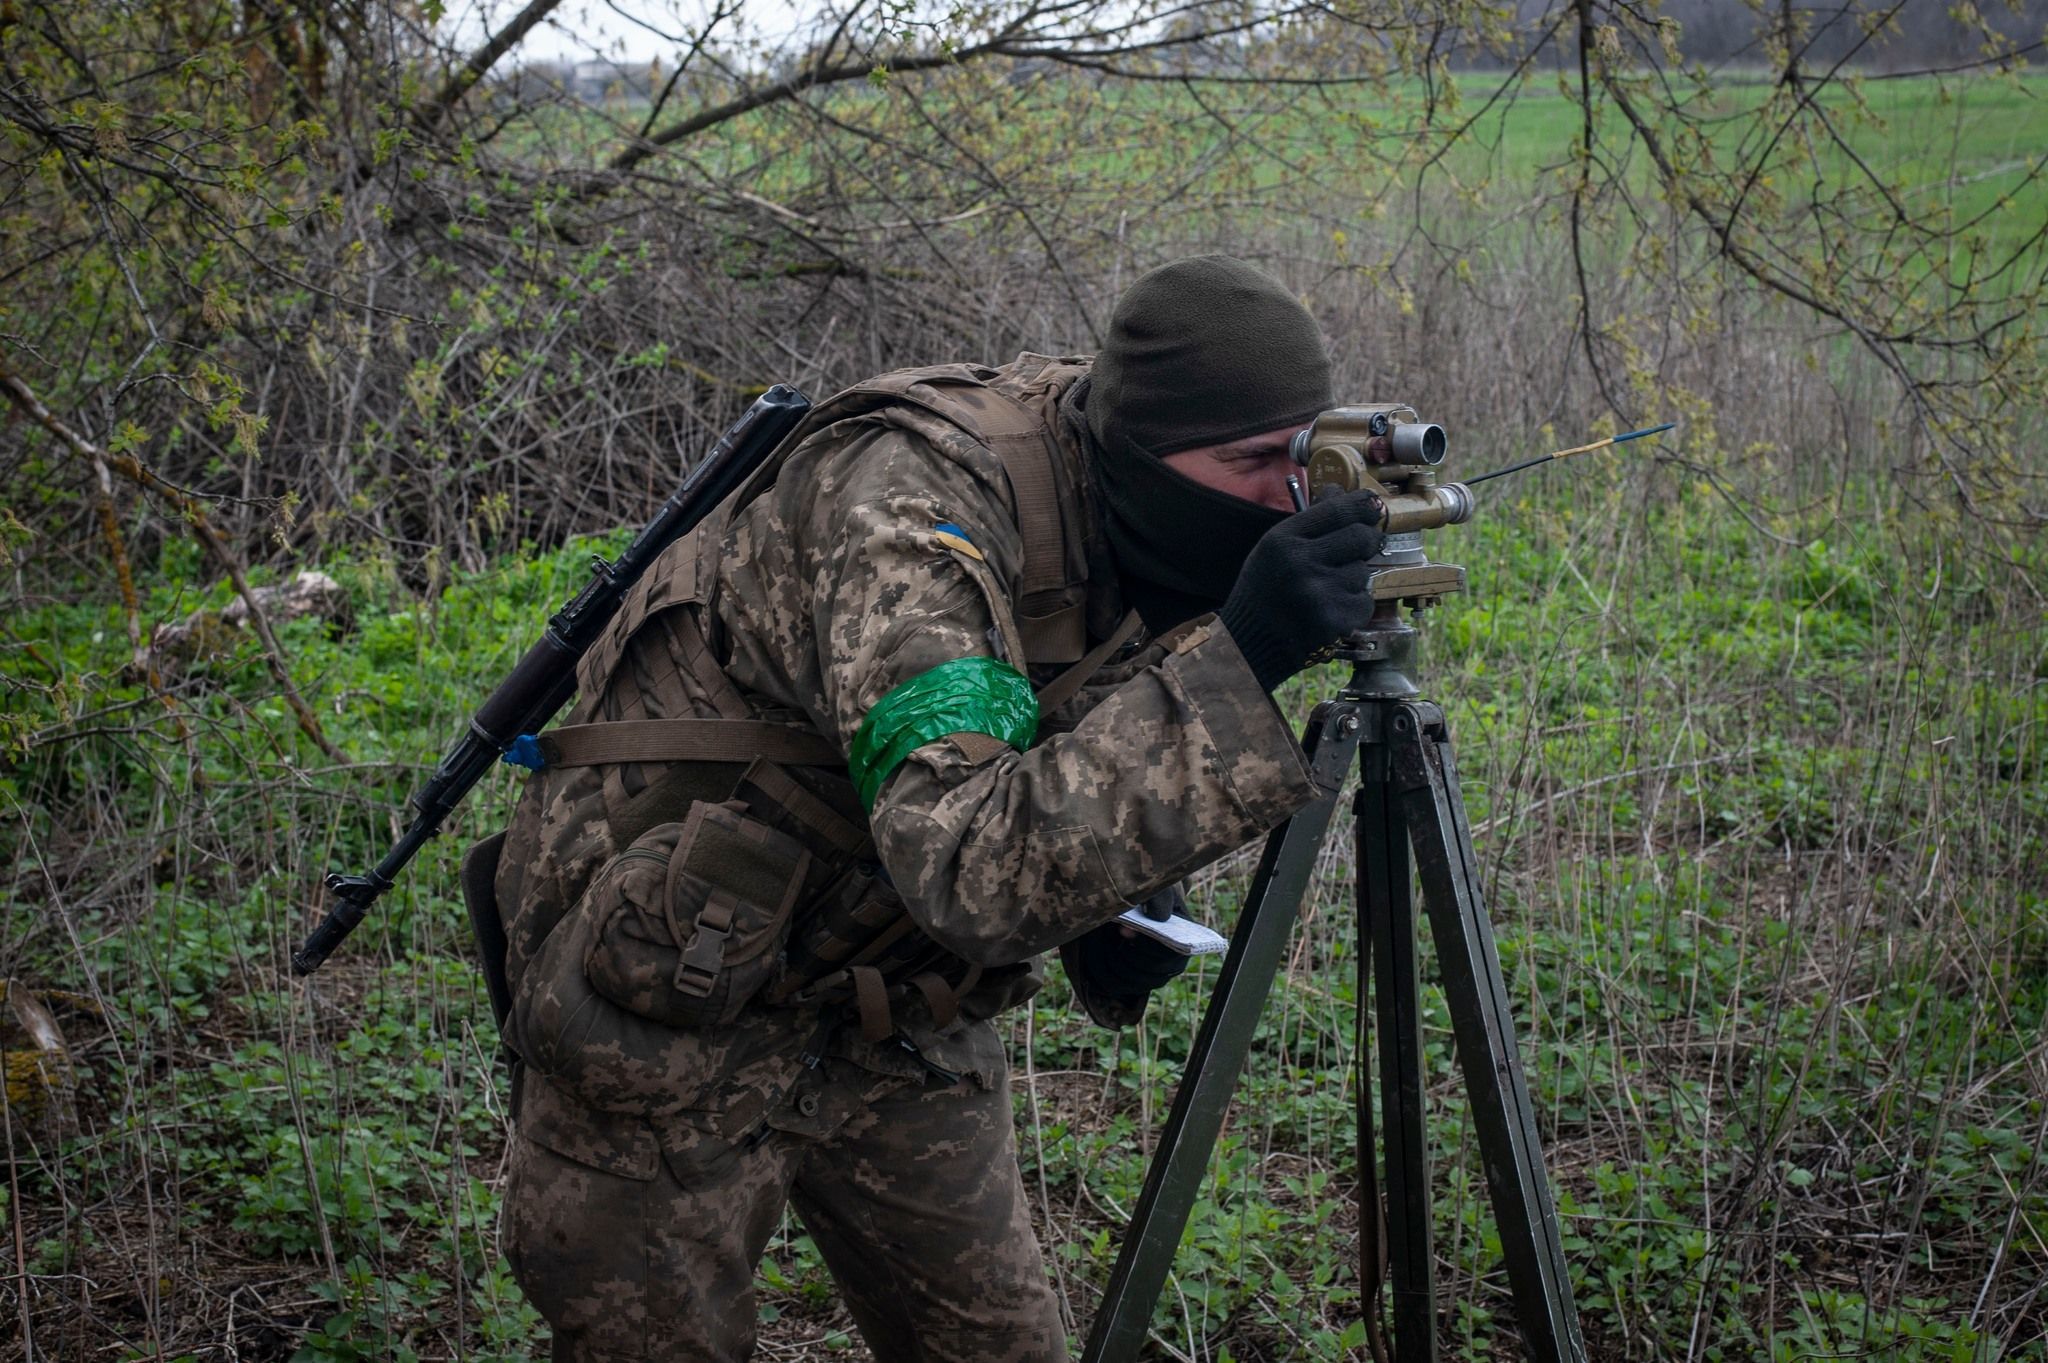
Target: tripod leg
{"type": "Point", "coordinates": [1426, 775]}
{"type": "Point", "coordinates": [1256, 948]}
{"type": "Point", "coordinates": [1388, 916]}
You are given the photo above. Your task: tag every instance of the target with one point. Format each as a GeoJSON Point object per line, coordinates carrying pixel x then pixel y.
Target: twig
{"type": "Point", "coordinates": [195, 515]}
{"type": "Point", "coordinates": [28, 1335]}
{"type": "Point", "coordinates": [141, 658]}
{"type": "Point", "coordinates": [124, 575]}
{"type": "Point", "coordinates": [1659, 769]}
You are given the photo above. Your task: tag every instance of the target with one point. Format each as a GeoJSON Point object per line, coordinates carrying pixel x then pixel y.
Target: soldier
{"type": "Point", "coordinates": [981, 660]}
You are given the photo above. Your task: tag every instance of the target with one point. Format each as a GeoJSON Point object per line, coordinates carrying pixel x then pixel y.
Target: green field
{"type": "Point", "coordinates": [1969, 149]}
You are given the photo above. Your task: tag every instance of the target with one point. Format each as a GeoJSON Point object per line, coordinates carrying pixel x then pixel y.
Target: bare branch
{"type": "Point", "coordinates": [135, 472]}
{"type": "Point", "coordinates": [481, 61]}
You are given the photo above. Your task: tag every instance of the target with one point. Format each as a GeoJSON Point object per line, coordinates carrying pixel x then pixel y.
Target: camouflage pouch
{"type": "Point", "coordinates": [690, 922]}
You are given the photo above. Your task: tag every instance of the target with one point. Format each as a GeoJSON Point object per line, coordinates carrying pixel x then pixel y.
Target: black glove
{"type": "Point", "coordinates": [1114, 969]}
{"type": "Point", "coordinates": [1305, 585]}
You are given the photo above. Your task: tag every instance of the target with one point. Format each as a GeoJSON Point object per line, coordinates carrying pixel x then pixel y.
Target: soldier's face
{"type": "Point", "coordinates": [1254, 468]}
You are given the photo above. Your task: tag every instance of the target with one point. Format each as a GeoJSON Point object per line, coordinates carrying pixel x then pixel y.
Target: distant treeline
{"type": "Point", "coordinates": [1920, 34]}
{"type": "Point", "coordinates": [1917, 35]}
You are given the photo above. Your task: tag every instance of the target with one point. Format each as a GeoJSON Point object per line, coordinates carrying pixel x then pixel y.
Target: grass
{"type": "Point", "coordinates": [1763, 829]}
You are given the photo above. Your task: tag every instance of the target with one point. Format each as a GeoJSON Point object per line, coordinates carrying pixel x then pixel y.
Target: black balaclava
{"type": "Point", "coordinates": [1200, 352]}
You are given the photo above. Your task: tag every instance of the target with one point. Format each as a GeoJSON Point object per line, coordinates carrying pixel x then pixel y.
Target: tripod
{"type": "Point", "coordinates": [1408, 792]}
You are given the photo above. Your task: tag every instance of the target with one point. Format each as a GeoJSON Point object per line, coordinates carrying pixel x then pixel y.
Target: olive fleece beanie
{"type": "Point", "coordinates": [1203, 351]}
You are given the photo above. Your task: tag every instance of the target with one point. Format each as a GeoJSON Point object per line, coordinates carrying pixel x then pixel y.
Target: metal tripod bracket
{"type": "Point", "coordinates": [1408, 796]}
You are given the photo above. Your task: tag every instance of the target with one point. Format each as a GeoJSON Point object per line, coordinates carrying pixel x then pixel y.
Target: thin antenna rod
{"type": "Point", "coordinates": [1566, 454]}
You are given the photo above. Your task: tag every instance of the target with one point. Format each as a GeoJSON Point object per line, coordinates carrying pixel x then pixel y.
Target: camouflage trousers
{"type": "Point", "coordinates": [915, 1202]}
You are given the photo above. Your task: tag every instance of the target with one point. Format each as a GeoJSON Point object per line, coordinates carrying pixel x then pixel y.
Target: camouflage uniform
{"type": "Point", "coordinates": [653, 1161]}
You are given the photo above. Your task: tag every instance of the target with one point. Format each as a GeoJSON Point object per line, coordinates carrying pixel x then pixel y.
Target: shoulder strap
{"type": "Point", "coordinates": [1051, 600]}
{"type": "Point", "coordinates": [1051, 606]}
{"type": "Point", "coordinates": [1061, 689]}
{"type": "Point", "coordinates": [670, 580]}
{"type": "Point", "coordinates": [1017, 435]}
{"type": "Point", "coordinates": [1050, 610]}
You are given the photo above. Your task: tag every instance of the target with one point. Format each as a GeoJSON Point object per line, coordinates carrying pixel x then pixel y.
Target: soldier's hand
{"type": "Point", "coordinates": [1114, 969]}
{"type": "Point", "coordinates": [1305, 585]}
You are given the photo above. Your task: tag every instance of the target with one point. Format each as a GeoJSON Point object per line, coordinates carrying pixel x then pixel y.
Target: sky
{"type": "Point", "coordinates": [626, 30]}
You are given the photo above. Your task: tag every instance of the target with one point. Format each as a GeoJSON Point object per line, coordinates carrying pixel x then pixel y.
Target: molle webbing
{"type": "Point", "coordinates": [671, 580]}
{"type": "Point", "coordinates": [871, 998]}
{"type": "Point", "coordinates": [778, 798]}
{"type": "Point", "coordinates": [667, 800]}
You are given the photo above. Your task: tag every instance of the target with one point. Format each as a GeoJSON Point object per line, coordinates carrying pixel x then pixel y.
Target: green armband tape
{"type": "Point", "coordinates": [967, 695]}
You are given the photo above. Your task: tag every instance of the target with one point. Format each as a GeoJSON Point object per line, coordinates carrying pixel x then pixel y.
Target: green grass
{"type": "Point", "coordinates": [1764, 837]}
{"type": "Point", "coordinates": [1964, 156]}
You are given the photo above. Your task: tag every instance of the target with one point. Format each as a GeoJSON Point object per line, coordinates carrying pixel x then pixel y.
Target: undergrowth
{"type": "Point", "coordinates": [1763, 833]}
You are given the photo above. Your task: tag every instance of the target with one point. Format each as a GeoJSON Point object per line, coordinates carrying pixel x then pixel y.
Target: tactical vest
{"type": "Point", "coordinates": [850, 940]}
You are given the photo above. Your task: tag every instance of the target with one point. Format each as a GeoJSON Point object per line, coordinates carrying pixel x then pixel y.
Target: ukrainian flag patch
{"type": "Point", "coordinates": [954, 538]}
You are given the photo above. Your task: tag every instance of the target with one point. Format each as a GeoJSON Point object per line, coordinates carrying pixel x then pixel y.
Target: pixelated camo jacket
{"type": "Point", "coordinates": [832, 588]}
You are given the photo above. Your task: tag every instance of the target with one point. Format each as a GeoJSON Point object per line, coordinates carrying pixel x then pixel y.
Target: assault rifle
{"type": "Point", "coordinates": [545, 679]}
